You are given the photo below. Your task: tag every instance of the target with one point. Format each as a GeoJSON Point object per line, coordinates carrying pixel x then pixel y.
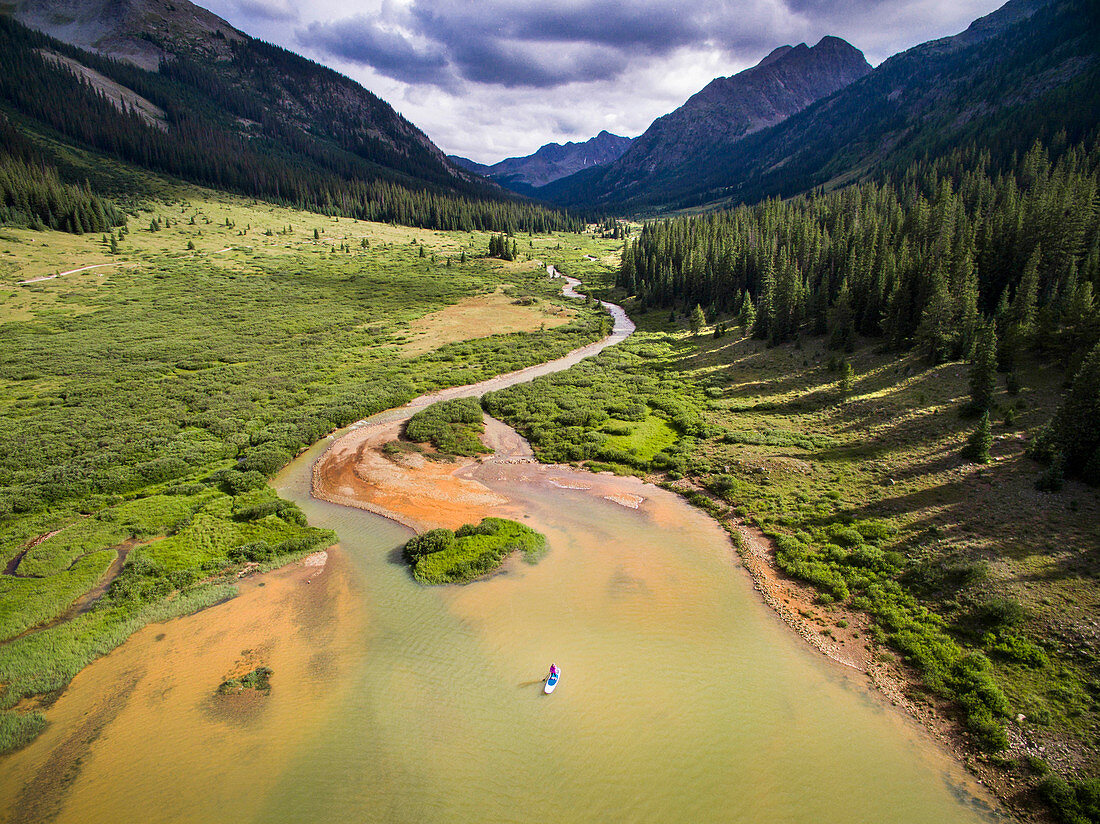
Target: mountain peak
{"type": "Point", "coordinates": [776, 54]}
{"type": "Point", "coordinates": [551, 161]}
{"type": "Point", "coordinates": [138, 31]}
{"type": "Point", "coordinates": [730, 108]}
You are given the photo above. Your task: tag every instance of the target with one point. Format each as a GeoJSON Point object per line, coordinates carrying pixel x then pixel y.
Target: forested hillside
{"type": "Point", "coordinates": [918, 262]}
{"type": "Point", "coordinates": [32, 194]}
{"type": "Point", "coordinates": [220, 132]}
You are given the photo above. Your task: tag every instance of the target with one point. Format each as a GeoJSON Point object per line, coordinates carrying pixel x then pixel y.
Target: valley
{"type": "Point", "coordinates": [777, 426]}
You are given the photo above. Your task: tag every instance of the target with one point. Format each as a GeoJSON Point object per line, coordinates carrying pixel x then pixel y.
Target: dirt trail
{"type": "Point", "coordinates": [70, 272]}
{"type": "Point", "coordinates": [13, 565]}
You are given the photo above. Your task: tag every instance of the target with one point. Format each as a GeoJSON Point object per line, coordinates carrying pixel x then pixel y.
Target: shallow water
{"type": "Point", "coordinates": [682, 697]}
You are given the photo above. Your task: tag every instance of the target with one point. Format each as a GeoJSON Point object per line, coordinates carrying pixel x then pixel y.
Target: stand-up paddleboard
{"type": "Point", "coordinates": [551, 682]}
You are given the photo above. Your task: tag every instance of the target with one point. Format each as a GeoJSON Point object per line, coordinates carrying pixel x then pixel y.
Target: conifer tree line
{"type": "Point", "coordinates": [501, 247]}
{"type": "Point", "coordinates": [348, 174]}
{"type": "Point", "coordinates": [32, 194]}
{"type": "Point", "coordinates": [922, 261]}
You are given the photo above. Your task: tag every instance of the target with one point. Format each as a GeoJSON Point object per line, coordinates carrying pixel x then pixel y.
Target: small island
{"type": "Point", "coordinates": [258, 679]}
{"type": "Point", "coordinates": [443, 556]}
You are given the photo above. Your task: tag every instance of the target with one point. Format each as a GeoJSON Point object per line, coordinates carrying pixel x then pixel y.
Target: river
{"type": "Point", "coordinates": [682, 698]}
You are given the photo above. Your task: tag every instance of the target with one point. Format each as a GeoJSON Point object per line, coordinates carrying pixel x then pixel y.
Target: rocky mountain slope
{"type": "Point", "coordinates": [551, 162]}
{"type": "Point", "coordinates": [730, 108]}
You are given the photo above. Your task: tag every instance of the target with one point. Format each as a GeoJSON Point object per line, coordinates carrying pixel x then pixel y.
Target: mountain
{"type": "Point", "coordinates": [1027, 71]}
{"type": "Point", "coordinates": [551, 162]}
{"type": "Point", "coordinates": [469, 165]}
{"type": "Point", "coordinates": [141, 32]}
{"type": "Point", "coordinates": [225, 110]}
{"type": "Point", "coordinates": [729, 109]}
{"type": "Point", "coordinates": [192, 44]}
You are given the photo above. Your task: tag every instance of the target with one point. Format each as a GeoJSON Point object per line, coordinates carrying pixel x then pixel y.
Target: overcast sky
{"type": "Point", "coordinates": [489, 79]}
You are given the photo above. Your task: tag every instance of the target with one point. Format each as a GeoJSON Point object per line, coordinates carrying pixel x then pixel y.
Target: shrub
{"type": "Point", "coordinates": [1072, 803]}
{"type": "Point", "coordinates": [1014, 648]}
{"type": "Point", "coordinates": [266, 459]}
{"type": "Point", "coordinates": [997, 613]}
{"type": "Point", "coordinates": [613, 428]}
{"type": "Point", "coordinates": [434, 540]}
{"type": "Point", "coordinates": [453, 427]}
{"type": "Point", "coordinates": [844, 535]}
{"type": "Point", "coordinates": [876, 531]}
{"type": "Point", "coordinates": [724, 486]}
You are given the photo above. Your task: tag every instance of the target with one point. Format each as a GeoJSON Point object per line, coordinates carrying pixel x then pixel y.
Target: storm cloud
{"type": "Point", "coordinates": [495, 78]}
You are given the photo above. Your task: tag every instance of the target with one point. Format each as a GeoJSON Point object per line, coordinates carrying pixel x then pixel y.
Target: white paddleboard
{"type": "Point", "coordinates": [552, 682]}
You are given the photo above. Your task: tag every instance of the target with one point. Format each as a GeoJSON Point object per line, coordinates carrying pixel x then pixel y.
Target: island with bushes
{"type": "Point", "coordinates": [444, 556]}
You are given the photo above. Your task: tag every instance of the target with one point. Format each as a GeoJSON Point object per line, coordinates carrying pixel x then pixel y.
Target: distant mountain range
{"type": "Point", "coordinates": [551, 162]}
{"type": "Point", "coordinates": [1026, 71]}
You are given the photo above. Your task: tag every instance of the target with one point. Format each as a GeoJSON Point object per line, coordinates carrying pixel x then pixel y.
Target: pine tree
{"type": "Point", "coordinates": [1006, 336]}
{"type": "Point", "coordinates": [1074, 432]}
{"type": "Point", "coordinates": [746, 316]}
{"type": "Point", "coordinates": [842, 321]}
{"type": "Point", "coordinates": [968, 317]}
{"type": "Point", "coordinates": [1025, 303]}
{"type": "Point", "coordinates": [697, 320]}
{"type": "Point", "coordinates": [983, 371]}
{"type": "Point", "coordinates": [979, 442]}
{"type": "Point", "coordinates": [844, 384]}
{"type": "Point", "coordinates": [765, 304]}
{"type": "Point", "coordinates": [937, 331]}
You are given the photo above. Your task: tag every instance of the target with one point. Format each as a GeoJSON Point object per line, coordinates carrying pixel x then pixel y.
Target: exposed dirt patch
{"type": "Point", "coordinates": [407, 488]}
{"type": "Point", "coordinates": [480, 316]}
{"type": "Point", "coordinates": [117, 94]}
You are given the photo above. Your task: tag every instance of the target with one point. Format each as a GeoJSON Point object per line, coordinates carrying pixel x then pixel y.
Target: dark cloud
{"type": "Point", "coordinates": [651, 27]}
{"type": "Point", "coordinates": [391, 52]}
{"type": "Point", "coordinates": [512, 65]}
{"type": "Point", "coordinates": [508, 43]}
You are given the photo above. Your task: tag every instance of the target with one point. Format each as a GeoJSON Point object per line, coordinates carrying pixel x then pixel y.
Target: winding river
{"type": "Point", "coordinates": [682, 699]}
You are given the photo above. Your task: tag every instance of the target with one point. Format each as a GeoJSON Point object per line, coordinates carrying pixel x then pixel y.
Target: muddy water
{"type": "Point", "coordinates": [682, 697]}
